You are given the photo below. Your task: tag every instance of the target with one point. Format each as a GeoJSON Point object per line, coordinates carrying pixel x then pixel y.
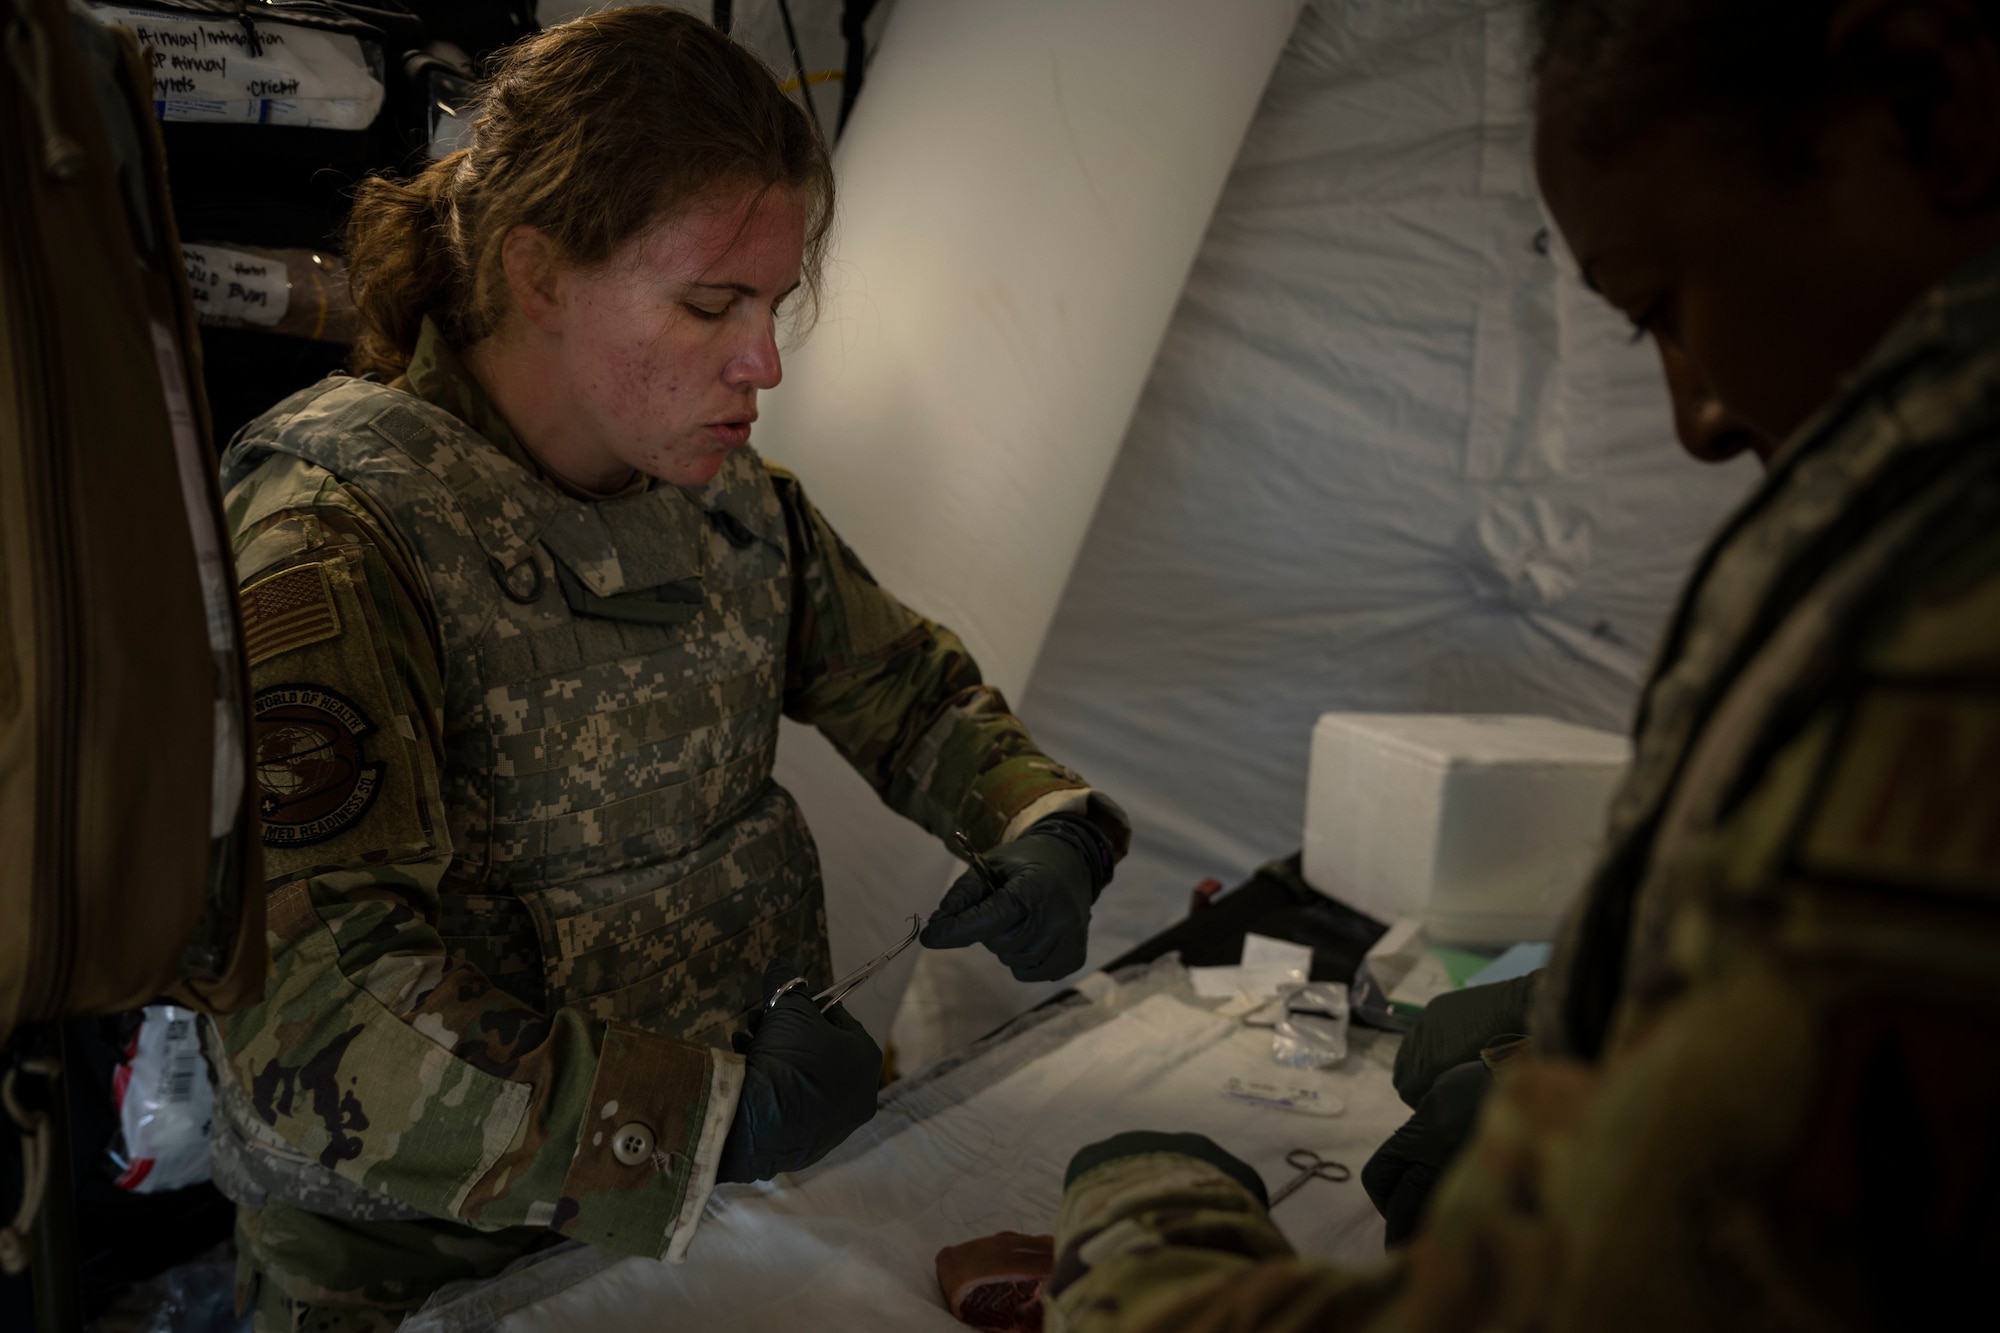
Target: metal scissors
{"type": "Point", "coordinates": [1310, 1166]}
{"type": "Point", "coordinates": [835, 993]}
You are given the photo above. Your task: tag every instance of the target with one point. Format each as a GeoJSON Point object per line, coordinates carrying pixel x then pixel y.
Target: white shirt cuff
{"type": "Point", "coordinates": [1073, 801]}
{"type": "Point", "coordinates": [725, 1089]}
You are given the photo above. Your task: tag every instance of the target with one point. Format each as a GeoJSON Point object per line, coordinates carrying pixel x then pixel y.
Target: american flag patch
{"type": "Point", "coordinates": [288, 610]}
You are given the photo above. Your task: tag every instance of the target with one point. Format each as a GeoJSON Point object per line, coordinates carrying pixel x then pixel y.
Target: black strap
{"type": "Point", "coordinates": [505, 577]}
{"type": "Point", "coordinates": [854, 27]}
{"type": "Point", "coordinates": [799, 66]}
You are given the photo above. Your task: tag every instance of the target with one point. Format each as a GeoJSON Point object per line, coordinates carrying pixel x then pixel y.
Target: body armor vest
{"type": "Point", "coordinates": [613, 674]}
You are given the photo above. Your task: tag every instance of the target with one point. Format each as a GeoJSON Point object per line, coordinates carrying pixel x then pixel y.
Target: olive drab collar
{"type": "Point", "coordinates": [438, 375]}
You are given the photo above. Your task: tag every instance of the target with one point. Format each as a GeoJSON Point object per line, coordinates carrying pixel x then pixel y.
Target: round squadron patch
{"type": "Point", "coordinates": [313, 779]}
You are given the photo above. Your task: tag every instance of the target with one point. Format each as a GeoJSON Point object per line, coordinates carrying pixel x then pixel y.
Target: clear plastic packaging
{"type": "Point", "coordinates": [164, 1105]}
{"type": "Point", "coordinates": [1312, 1034]}
{"type": "Point", "coordinates": [1291, 1095]}
{"type": "Point", "coordinates": [196, 1297]}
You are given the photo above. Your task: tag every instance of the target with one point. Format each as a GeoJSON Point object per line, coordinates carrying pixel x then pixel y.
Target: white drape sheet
{"type": "Point", "coordinates": [851, 1243]}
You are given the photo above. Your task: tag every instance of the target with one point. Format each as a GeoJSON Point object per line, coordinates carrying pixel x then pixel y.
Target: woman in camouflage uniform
{"type": "Point", "coordinates": [1764, 1090]}
{"type": "Point", "coordinates": [523, 611]}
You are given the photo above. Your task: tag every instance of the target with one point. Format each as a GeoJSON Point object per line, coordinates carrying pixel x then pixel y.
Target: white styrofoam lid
{"type": "Point", "coordinates": [1483, 739]}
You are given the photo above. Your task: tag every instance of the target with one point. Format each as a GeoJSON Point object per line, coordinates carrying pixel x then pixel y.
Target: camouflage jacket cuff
{"type": "Point", "coordinates": [1140, 1234]}
{"type": "Point", "coordinates": [652, 1130]}
{"type": "Point", "coordinates": [1104, 814]}
{"type": "Point", "coordinates": [1135, 1204]}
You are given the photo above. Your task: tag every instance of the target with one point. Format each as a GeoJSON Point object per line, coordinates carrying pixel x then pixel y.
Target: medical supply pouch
{"type": "Point", "coordinates": [306, 64]}
{"type": "Point", "coordinates": [272, 112]}
{"type": "Point", "coordinates": [130, 865]}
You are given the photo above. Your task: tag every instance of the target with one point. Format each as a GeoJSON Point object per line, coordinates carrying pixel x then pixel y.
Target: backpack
{"type": "Point", "coordinates": [130, 865]}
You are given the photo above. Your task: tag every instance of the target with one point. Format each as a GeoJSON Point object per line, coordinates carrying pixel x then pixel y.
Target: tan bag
{"type": "Point", "coordinates": [129, 858]}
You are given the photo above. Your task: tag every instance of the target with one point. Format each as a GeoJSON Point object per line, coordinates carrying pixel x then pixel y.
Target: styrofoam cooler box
{"type": "Point", "coordinates": [1482, 826]}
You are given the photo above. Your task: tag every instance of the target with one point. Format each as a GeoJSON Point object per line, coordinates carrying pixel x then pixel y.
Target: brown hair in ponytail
{"type": "Point", "coordinates": [589, 131]}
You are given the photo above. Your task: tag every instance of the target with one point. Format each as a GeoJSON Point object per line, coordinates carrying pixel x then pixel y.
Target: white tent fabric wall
{"type": "Point", "coordinates": [1392, 456]}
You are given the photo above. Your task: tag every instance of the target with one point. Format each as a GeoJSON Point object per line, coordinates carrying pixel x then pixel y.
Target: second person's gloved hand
{"type": "Point", "coordinates": [809, 1081]}
{"type": "Point", "coordinates": [1456, 1027]}
{"type": "Point", "coordinates": [1038, 921]}
{"type": "Point", "coordinates": [1400, 1176]}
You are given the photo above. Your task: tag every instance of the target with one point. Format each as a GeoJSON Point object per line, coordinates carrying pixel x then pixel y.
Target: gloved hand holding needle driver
{"type": "Point", "coordinates": [1035, 912]}
{"type": "Point", "coordinates": [1442, 1074]}
{"type": "Point", "coordinates": [809, 1081]}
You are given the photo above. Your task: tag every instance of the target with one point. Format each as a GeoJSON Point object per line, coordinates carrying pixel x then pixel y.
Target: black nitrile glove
{"type": "Point", "coordinates": [1136, 1141]}
{"type": "Point", "coordinates": [1039, 920]}
{"type": "Point", "coordinates": [1456, 1027]}
{"type": "Point", "coordinates": [1400, 1176]}
{"type": "Point", "coordinates": [809, 1082]}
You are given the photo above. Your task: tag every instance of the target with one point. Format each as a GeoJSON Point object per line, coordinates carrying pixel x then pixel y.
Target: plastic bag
{"type": "Point", "coordinates": [1312, 1034]}
{"type": "Point", "coordinates": [1403, 972]}
{"type": "Point", "coordinates": [195, 1297]}
{"type": "Point", "coordinates": [164, 1105]}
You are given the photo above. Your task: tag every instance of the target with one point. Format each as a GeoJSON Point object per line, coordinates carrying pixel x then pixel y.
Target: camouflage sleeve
{"type": "Point", "coordinates": [1791, 1124]}
{"type": "Point", "coordinates": [375, 1052]}
{"type": "Point", "coordinates": [1165, 1241]}
{"type": "Point", "coordinates": [902, 700]}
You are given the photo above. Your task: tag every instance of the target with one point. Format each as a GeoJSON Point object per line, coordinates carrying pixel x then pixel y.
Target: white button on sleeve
{"type": "Point", "coordinates": [632, 1144]}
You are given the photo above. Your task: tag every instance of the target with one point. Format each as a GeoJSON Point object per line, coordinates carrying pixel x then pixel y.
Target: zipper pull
{"type": "Point", "coordinates": [27, 49]}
